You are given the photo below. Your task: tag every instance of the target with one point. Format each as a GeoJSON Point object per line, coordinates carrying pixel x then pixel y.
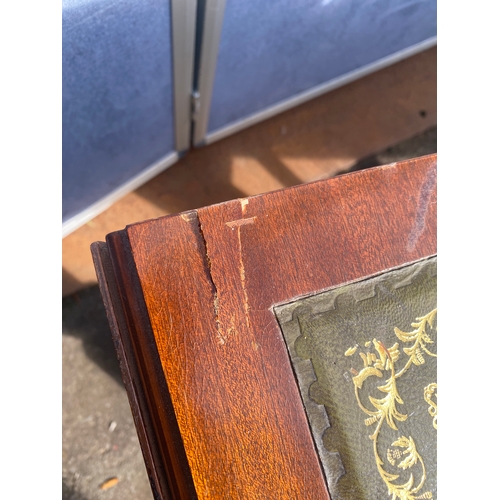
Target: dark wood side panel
{"type": "Point", "coordinates": [128, 365]}
{"type": "Point", "coordinates": [210, 281]}
{"type": "Point", "coordinates": [141, 370]}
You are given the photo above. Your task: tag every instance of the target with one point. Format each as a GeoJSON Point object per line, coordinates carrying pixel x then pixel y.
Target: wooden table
{"type": "Point", "coordinates": [191, 300]}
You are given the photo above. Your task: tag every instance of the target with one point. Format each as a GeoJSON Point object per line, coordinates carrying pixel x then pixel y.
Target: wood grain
{"type": "Point", "coordinates": [151, 405]}
{"type": "Point", "coordinates": [129, 369]}
{"type": "Point", "coordinates": [210, 292]}
{"type": "Point", "coordinates": [209, 280]}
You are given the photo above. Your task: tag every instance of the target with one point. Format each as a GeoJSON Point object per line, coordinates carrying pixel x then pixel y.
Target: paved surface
{"type": "Point", "coordinates": [99, 438]}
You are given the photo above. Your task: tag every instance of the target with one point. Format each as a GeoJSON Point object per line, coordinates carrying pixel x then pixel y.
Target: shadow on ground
{"type": "Point", "coordinates": [69, 493]}
{"type": "Point", "coordinates": [84, 317]}
{"type": "Point", "coordinates": [420, 145]}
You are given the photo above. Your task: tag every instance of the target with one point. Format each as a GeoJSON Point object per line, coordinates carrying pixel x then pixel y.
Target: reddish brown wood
{"type": "Point", "coordinates": [209, 280]}
{"type": "Point", "coordinates": [128, 366]}
{"type": "Point", "coordinates": [152, 410]}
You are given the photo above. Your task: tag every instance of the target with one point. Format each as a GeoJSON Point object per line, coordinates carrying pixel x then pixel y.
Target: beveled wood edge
{"type": "Point", "coordinates": [121, 340]}
{"type": "Point", "coordinates": [171, 464]}
{"type": "Point", "coordinates": [163, 452]}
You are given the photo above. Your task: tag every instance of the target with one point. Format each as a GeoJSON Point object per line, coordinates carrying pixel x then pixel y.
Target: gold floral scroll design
{"type": "Point", "coordinates": [382, 364]}
{"type": "Point", "coordinates": [433, 409]}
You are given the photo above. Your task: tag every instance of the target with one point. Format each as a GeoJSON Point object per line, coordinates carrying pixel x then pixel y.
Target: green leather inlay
{"type": "Point", "coordinates": [365, 357]}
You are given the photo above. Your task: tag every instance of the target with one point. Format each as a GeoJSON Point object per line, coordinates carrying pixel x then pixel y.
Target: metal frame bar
{"type": "Point", "coordinates": [183, 29]}
{"type": "Point", "coordinates": [78, 220]}
{"type": "Point", "coordinates": [183, 19]}
{"type": "Point", "coordinates": [211, 32]}
{"type": "Point", "coordinates": [202, 138]}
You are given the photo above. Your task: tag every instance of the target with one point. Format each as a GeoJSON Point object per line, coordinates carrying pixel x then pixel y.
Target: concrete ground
{"type": "Point", "coordinates": [99, 438]}
{"type": "Point", "coordinates": [101, 456]}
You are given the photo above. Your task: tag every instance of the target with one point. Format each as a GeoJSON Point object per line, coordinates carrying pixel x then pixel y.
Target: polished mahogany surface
{"type": "Point", "coordinates": [217, 406]}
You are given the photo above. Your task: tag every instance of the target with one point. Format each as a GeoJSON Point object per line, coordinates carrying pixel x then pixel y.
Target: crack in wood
{"type": "Point", "coordinates": [215, 292]}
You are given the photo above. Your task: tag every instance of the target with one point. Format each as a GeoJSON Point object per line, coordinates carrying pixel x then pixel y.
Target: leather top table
{"type": "Point", "coordinates": [284, 345]}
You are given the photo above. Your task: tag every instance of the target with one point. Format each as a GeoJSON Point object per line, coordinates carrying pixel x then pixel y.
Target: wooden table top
{"type": "Point", "coordinates": [190, 300]}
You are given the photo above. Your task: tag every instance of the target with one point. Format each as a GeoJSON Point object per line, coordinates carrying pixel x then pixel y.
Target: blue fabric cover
{"type": "Point", "coordinates": [117, 95]}
{"type": "Point", "coordinates": [271, 50]}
